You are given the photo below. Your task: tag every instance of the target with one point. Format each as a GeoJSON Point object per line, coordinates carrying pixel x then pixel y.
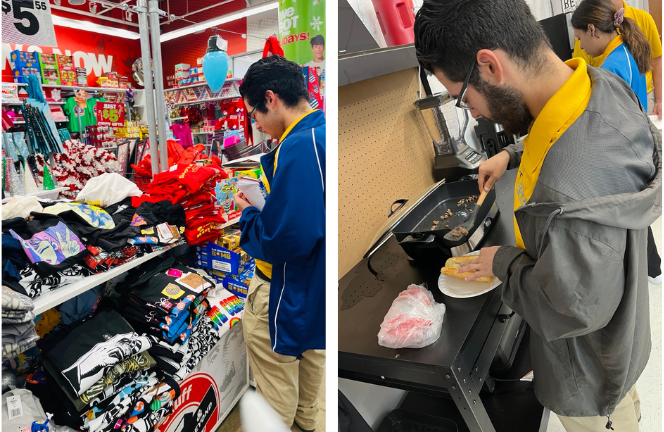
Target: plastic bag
{"type": "Point", "coordinates": [414, 320]}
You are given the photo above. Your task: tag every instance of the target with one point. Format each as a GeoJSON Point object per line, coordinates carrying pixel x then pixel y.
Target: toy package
{"type": "Point", "coordinates": [67, 70]}
{"type": "Point", "coordinates": [49, 69]}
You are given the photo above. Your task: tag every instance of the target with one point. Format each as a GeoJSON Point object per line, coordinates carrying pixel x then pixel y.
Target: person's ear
{"type": "Point", "coordinates": [489, 67]}
{"type": "Point", "coordinates": [270, 98]}
{"type": "Point", "coordinates": [592, 30]}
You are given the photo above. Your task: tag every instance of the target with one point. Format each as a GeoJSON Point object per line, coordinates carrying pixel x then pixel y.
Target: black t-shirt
{"type": "Point", "coordinates": [85, 354]}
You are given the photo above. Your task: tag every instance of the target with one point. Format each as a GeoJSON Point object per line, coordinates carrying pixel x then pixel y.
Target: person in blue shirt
{"type": "Point", "coordinates": [284, 317]}
{"type": "Point", "coordinates": [621, 47]}
{"type": "Point", "coordinates": [615, 41]}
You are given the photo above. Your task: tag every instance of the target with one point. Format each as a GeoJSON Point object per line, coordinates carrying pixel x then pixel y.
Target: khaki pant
{"type": "Point", "coordinates": [290, 385]}
{"type": "Point", "coordinates": [624, 419]}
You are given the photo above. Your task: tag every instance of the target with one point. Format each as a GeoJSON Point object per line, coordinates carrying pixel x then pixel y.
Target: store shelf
{"type": "Point", "coordinates": [12, 102]}
{"type": "Point", "coordinates": [370, 64]}
{"type": "Point", "coordinates": [19, 122]}
{"type": "Point", "coordinates": [56, 103]}
{"type": "Point", "coordinates": [100, 89]}
{"type": "Point", "coordinates": [201, 84]}
{"type": "Point", "coordinates": [231, 222]}
{"type": "Point", "coordinates": [179, 118]}
{"type": "Point", "coordinates": [60, 295]}
{"type": "Point", "coordinates": [206, 100]}
{"type": "Point", "coordinates": [205, 133]}
{"type": "Point", "coordinates": [15, 83]}
{"type": "Point", "coordinates": [41, 193]}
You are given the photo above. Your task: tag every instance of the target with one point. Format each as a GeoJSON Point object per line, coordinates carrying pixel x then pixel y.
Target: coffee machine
{"type": "Point", "coordinates": [453, 157]}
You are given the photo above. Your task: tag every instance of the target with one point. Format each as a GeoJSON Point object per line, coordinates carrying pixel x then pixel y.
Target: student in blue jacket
{"type": "Point", "coordinates": [284, 318]}
{"type": "Point", "coordinates": [618, 45]}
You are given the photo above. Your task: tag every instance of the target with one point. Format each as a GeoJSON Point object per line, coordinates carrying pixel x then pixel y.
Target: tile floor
{"type": "Point", "coordinates": [649, 384]}
{"type": "Point", "coordinates": [232, 422]}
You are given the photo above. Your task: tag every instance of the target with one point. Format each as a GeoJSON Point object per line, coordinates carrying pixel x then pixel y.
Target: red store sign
{"type": "Point", "coordinates": [110, 114]}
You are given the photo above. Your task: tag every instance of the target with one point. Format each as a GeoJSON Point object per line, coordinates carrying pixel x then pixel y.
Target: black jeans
{"type": "Point", "coordinates": [654, 260]}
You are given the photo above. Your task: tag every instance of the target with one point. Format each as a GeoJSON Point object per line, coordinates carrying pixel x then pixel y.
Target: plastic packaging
{"type": "Point", "coordinates": [414, 320]}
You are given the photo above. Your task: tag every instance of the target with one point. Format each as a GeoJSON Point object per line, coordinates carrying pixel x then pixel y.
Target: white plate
{"type": "Point", "coordinates": [459, 288]}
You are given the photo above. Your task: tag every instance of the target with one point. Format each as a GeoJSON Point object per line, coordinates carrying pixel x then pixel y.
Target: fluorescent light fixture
{"type": "Point", "coordinates": [92, 27]}
{"type": "Point", "coordinates": [218, 21]}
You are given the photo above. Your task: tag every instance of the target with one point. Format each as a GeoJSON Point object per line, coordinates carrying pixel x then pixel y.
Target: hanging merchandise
{"type": "Point", "coordinates": [312, 78]}
{"type": "Point", "coordinates": [16, 184]}
{"type": "Point", "coordinates": [30, 184]}
{"type": "Point", "coordinates": [272, 47]}
{"type": "Point", "coordinates": [215, 63]}
{"type": "Point", "coordinates": [41, 128]}
{"type": "Point", "coordinates": [80, 110]}
{"type": "Point", "coordinates": [78, 163]}
{"type": "Point", "coordinates": [48, 181]}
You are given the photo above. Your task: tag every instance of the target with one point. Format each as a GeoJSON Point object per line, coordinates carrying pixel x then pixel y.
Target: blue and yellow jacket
{"type": "Point", "coordinates": [290, 234]}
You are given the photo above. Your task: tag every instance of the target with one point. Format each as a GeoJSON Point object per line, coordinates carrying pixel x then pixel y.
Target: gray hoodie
{"type": "Point", "coordinates": [581, 284]}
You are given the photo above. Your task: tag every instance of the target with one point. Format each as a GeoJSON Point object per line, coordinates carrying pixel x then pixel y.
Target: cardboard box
{"type": "Point", "coordinates": [182, 67]}
{"type": "Point", "coordinates": [216, 257]}
{"type": "Point", "coordinates": [237, 284]}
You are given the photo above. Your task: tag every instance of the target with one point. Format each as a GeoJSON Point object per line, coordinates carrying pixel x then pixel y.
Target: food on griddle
{"type": "Point", "coordinates": [452, 265]}
{"type": "Point", "coordinates": [458, 232]}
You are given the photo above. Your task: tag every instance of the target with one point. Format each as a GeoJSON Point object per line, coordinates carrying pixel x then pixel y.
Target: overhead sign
{"type": "Point", "coordinates": [28, 22]}
{"type": "Point", "coordinates": [110, 114]}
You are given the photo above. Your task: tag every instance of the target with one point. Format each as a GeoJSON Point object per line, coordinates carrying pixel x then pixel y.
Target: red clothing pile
{"type": "Point", "coordinates": [192, 186]}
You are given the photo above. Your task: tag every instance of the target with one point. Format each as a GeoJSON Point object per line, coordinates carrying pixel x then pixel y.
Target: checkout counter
{"type": "Point", "coordinates": [449, 385]}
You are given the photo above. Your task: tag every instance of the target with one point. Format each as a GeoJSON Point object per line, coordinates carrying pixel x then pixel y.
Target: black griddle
{"type": "Point", "coordinates": [420, 242]}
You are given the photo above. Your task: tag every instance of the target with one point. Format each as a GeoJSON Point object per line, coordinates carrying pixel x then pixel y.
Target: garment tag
{"type": "Point", "coordinates": [164, 231]}
{"type": "Point", "coordinates": [14, 407]}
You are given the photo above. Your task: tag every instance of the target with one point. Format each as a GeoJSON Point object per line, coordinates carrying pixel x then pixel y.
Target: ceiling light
{"type": "Point", "coordinates": [218, 21]}
{"type": "Point", "coordinates": [92, 27]}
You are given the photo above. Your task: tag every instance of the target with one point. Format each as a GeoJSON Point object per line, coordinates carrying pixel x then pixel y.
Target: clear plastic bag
{"type": "Point", "coordinates": [414, 320]}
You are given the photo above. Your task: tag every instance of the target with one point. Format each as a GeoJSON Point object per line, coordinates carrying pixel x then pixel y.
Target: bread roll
{"type": "Point", "coordinates": [452, 265]}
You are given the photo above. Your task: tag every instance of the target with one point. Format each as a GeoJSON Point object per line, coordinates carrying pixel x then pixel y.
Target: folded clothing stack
{"type": "Point", "coordinates": [178, 360]}
{"type": "Point", "coordinates": [100, 377]}
{"type": "Point", "coordinates": [18, 327]}
{"type": "Point", "coordinates": [166, 301]}
{"type": "Point", "coordinates": [193, 187]}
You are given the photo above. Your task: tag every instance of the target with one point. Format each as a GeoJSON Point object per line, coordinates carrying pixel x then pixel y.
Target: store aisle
{"type": "Point", "coordinates": [649, 385]}
{"type": "Point", "coordinates": [232, 422]}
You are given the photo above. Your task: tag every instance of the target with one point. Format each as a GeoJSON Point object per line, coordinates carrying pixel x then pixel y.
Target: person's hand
{"type": "Point", "coordinates": [657, 110]}
{"type": "Point", "coordinates": [491, 170]}
{"type": "Point", "coordinates": [241, 201]}
{"type": "Point", "coordinates": [482, 266]}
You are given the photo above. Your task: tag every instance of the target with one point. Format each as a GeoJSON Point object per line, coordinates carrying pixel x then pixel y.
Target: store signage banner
{"type": "Point", "coordinates": [110, 114]}
{"type": "Point", "coordinates": [299, 23]}
{"type": "Point", "coordinates": [28, 22]}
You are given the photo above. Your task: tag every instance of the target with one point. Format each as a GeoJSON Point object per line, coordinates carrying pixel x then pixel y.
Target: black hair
{"type": "Point", "coordinates": [448, 35]}
{"type": "Point", "coordinates": [283, 77]}
{"type": "Point", "coordinates": [317, 40]}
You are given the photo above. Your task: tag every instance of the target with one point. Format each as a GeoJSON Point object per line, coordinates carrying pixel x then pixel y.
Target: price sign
{"type": "Point", "coordinates": [564, 6]}
{"type": "Point", "coordinates": [28, 22]}
{"type": "Point", "coordinates": [110, 114]}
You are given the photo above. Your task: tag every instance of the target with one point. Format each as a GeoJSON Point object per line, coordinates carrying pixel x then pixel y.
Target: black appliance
{"type": "Point", "coordinates": [414, 232]}
{"type": "Point", "coordinates": [454, 158]}
{"type": "Point", "coordinates": [493, 138]}
{"type": "Point", "coordinates": [559, 30]}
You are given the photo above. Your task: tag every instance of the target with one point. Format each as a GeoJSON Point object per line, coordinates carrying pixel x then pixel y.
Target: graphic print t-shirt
{"type": "Point", "coordinates": [86, 354]}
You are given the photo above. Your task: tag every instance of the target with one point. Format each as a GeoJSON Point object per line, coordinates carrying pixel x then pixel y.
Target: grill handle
{"type": "Point", "coordinates": [393, 210]}
{"type": "Point", "coordinates": [423, 239]}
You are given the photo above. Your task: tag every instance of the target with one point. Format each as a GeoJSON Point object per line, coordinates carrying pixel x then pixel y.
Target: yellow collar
{"type": "Point", "coordinates": [557, 112]}
{"type": "Point", "coordinates": [609, 49]}
{"type": "Point", "coordinates": [290, 128]}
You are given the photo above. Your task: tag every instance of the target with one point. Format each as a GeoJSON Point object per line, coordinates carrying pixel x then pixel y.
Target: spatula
{"type": "Point", "coordinates": [455, 234]}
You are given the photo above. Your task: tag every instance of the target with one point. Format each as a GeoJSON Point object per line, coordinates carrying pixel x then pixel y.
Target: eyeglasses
{"type": "Point", "coordinates": [460, 102]}
{"type": "Point", "coordinates": [251, 113]}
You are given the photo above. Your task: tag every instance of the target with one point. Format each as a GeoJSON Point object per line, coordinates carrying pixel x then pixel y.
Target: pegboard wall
{"type": "Point", "coordinates": [385, 154]}
{"type": "Point", "coordinates": [260, 27]}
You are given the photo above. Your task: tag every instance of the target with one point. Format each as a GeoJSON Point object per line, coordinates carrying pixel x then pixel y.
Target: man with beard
{"type": "Point", "coordinates": [588, 186]}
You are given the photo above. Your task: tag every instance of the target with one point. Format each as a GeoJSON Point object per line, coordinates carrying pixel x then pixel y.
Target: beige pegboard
{"type": "Point", "coordinates": [385, 154]}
